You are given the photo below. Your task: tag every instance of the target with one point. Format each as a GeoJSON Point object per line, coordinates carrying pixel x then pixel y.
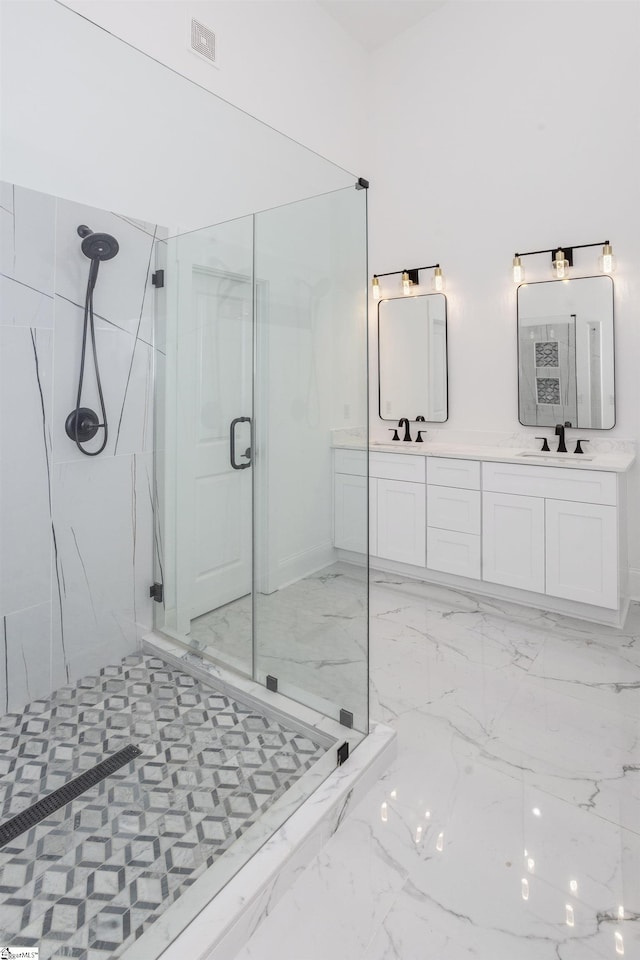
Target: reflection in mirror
{"type": "Point", "coordinates": [412, 357]}
{"type": "Point", "coordinates": [566, 353]}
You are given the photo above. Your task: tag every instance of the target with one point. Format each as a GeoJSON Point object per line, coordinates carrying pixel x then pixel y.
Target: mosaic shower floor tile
{"type": "Point", "coordinates": [89, 880]}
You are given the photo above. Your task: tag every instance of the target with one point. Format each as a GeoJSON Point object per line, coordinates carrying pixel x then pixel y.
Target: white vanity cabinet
{"type": "Point", "coordinates": [513, 541]}
{"type": "Point", "coordinates": [398, 508]}
{"type": "Point", "coordinates": [551, 530]}
{"type": "Point", "coordinates": [350, 500]}
{"type": "Point", "coordinates": [550, 536]}
{"type": "Point", "coordinates": [453, 516]}
{"type": "Point", "coordinates": [397, 505]}
{"type": "Point", "coordinates": [582, 552]}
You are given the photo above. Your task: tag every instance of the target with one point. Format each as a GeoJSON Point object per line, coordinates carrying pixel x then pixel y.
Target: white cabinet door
{"type": "Point", "coordinates": [452, 509]}
{"type": "Point", "coordinates": [582, 552]}
{"type": "Point", "coordinates": [401, 521]}
{"type": "Point", "coordinates": [350, 512]}
{"type": "Point", "coordinates": [453, 552]}
{"type": "Point", "coordinates": [513, 541]}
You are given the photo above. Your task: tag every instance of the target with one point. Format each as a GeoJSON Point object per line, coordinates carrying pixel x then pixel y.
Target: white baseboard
{"type": "Point", "coordinates": [293, 568]}
{"type": "Point", "coordinates": [634, 583]}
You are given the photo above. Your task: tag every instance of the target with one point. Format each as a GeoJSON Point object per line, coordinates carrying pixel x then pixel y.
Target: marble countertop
{"type": "Point", "coordinates": [612, 462]}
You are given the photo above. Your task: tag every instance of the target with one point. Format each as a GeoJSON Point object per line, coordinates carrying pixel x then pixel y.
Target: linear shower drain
{"type": "Point", "coordinates": [70, 791]}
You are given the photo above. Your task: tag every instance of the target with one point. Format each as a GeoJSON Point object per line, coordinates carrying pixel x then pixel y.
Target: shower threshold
{"type": "Point", "coordinates": [127, 867]}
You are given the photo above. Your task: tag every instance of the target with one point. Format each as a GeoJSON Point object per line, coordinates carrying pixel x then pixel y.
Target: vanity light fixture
{"type": "Point", "coordinates": [562, 259]}
{"type": "Point", "coordinates": [607, 261]}
{"type": "Point", "coordinates": [409, 280]}
{"type": "Point", "coordinates": [518, 270]}
{"type": "Point", "coordinates": [561, 263]}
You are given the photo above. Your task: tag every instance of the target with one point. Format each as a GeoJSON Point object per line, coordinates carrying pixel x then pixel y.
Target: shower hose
{"type": "Point", "coordinates": [89, 328]}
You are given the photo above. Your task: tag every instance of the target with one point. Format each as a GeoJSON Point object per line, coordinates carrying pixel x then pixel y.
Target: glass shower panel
{"type": "Point", "coordinates": [209, 399]}
{"type": "Point", "coordinates": [310, 607]}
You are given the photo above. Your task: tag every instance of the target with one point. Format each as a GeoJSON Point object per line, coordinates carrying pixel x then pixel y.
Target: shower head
{"type": "Point", "coordinates": [97, 246]}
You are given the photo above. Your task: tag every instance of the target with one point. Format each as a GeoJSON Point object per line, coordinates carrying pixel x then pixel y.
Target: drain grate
{"type": "Point", "coordinates": [59, 798]}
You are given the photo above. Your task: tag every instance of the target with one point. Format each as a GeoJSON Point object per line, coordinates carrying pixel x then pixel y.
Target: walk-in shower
{"type": "Point", "coordinates": [177, 597]}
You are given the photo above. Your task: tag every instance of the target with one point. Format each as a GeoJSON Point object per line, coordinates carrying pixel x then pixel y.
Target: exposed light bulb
{"type": "Point", "coordinates": [440, 842]}
{"type": "Point", "coordinates": [607, 260]}
{"type": "Point", "coordinates": [561, 265]}
{"type": "Point", "coordinates": [438, 280]}
{"type": "Point", "coordinates": [406, 284]}
{"type": "Point", "coordinates": [524, 888]}
{"type": "Point", "coordinates": [418, 834]}
{"type": "Point", "coordinates": [518, 270]}
{"type": "Point", "coordinates": [384, 812]}
{"type": "Point", "coordinates": [569, 917]}
{"type": "Point", "coordinates": [375, 288]}
{"type": "Point", "coordinates": [573, 886]}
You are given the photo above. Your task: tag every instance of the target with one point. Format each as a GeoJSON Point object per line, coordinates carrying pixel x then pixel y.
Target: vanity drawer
{"type": "Point", "coordinates": [554, 483]}
{"type": "Point", "coordinates": [448, 472]}
{"type": "Point", "coordinates": [353, 462]}
{"type": "Point", "coordinates": [397, 466]}
{"type": "Point", "coordinates": [453, 552]}
{"type": "Point", "coordinates": [451, 508]}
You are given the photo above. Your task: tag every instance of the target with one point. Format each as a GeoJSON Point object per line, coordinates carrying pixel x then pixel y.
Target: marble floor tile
{"type": "Point", "coordinates": [509, 826]}
{"type": "Point", "coordinates": [311, 635]}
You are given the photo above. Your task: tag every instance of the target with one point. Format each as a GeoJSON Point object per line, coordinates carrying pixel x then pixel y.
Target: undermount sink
{"type": "Point", "coordinates": [556, 457]}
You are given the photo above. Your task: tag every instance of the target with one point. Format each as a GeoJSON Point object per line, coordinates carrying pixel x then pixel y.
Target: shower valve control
{"type": "Point", "coordinates": [82, 424]}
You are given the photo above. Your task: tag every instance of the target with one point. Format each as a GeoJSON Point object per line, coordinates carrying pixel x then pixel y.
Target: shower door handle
{"type": "Point", "coordinates": [232, 445]}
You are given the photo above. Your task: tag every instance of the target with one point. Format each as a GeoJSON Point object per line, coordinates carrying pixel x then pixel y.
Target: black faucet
{"type": "Point", "coordinates": [562, 447]}
{"type": "Point", "coordinates": [407, 433]}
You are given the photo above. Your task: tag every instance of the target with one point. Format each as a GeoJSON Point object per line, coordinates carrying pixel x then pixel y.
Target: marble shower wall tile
{"type": "Point", "coordinates": [94, 516]}
{"type": "Point", "coordinates": [76, 533]}
{"type": "Point", "coordinates": [25, 664]}
{"type": "Point", "coordinates": [27, 231]}
{"type": "Point", "coordinates": [26, 371]}
{"type": "Point", "coordinates": [21, 306]}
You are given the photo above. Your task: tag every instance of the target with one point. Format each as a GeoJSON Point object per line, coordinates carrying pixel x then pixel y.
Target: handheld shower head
{"type": "Point", "coordinates": [97, 246]}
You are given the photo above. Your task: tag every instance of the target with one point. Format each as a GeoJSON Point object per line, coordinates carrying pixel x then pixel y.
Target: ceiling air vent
{"type": "Point", "coordinates": [203, 42]}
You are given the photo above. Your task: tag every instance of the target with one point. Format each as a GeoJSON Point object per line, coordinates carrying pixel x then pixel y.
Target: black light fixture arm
{"type": "Point", "coordinates": [575, 246]}
{"type": "Point", "coordinates": [414, 270]}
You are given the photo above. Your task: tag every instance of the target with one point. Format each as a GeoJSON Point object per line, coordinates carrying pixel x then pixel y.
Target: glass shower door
{"type": "Point", "coordinates": [311, 397]}
{"type": "Point", "coordinates": [265, 375]}
{"type": "Point", "coordinates": [209, 289]}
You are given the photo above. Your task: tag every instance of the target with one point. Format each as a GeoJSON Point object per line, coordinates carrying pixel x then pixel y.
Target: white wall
{"type": "Point", "coordinates": [287, 63]}
{"type": "Point", "coordinates": [94, 120]}
{"type": "Point", "coordinates": [503, 127]}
